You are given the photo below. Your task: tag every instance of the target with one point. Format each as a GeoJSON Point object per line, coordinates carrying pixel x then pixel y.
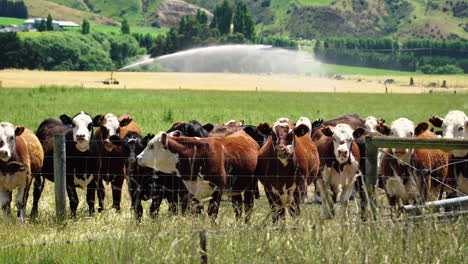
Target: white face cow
{"type": "Point", "coordinates": [110, 126]}
{"type": "Point", "coordinates": [305, 121]}
{"type": "Point", "coordinates": [8, 140]}
{"type": "Point", "coordinates": [403, 128]}
{"type": "Point", "coordinates": [82, 125]}
{"type": "Point", "coordinates": [343, 138]}
{"type": "Point", "coordinates": [454, 125]}
{"type": "Point", "coordinates": [370, 123]}
{"type": "Point", "coordinates": [157, 156]}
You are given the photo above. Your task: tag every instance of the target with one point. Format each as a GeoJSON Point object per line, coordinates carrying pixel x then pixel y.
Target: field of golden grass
{"type": "Point", "coordinates": [232, 82]}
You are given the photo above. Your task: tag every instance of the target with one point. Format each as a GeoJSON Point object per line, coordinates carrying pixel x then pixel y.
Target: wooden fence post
{"type": "Point", "coordinates": [203, 250]}
{"type": "Point", "coordinates": [60, 171]}
{"type": "Point", "coordinates": [371, 173]}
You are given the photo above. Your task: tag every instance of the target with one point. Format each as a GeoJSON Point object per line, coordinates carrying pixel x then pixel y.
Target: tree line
{"type": "Point", "coordinates": [13, 9]}
{"type": "Point", "coordinates": [431, 57]}
{"type": "Point", "coordinates": [67, 51]}
{"type": "Point", "coordinates": [196, 30]}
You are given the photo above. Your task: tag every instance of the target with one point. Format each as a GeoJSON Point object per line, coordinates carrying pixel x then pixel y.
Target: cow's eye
{"type": "Point", "coordinates": [2, 143]}
{"type": "Point", "coordinates": [411, 134]}
{"type": "Point", "coordinates": [90, 126]}
{"type": "Point", "coordinates": [151, 147]}
{"type": "Point", "coordinates": [73, 125]}
{"type": "Point", "coordinates": [461, 128]}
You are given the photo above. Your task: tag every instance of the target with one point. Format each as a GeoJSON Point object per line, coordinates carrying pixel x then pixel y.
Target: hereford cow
{"type": "Point", "coordinates": [339, 165]}
{"type": "Point", "coordinates": [207, 166]}
{"type": "Point", "coordinates": [80, 156]}
{"type": "Point", "coordinates": [21, 157]}
{"type": "Point", "coordinates": [402, 183]}
{"type": "Point", "coordinates": [288, 161]}
{"type": "Point", "coordinates": [455, 125]}
{"type": "Point", "coordinates": [111, 159]}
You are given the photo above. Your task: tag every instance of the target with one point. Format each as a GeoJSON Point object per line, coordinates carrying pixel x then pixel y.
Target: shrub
{"type": "Point", "coordinates": [448, 69]}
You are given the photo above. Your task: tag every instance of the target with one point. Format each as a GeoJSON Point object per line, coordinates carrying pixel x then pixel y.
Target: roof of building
{"type": "Point", "coordinates": [55, 22]}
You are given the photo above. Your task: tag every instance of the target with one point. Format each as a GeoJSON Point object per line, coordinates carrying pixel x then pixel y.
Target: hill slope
{"type": "Point", "coordinates": [403, 19]}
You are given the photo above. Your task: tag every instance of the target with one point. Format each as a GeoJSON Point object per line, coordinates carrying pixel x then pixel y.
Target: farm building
{"type": "Point", "coordinates": [56, 23]}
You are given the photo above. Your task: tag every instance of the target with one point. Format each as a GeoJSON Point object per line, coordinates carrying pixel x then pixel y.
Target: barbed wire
{"type": "Point", "coordinates": [243, 229]}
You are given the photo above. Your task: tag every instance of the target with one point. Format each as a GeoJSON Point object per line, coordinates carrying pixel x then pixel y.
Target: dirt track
{"type": "Point", "coordinates": [226, 81]}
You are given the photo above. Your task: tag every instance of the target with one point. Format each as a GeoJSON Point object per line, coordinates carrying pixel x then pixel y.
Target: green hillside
{"type": "Point", "coordinates": [309, 19]}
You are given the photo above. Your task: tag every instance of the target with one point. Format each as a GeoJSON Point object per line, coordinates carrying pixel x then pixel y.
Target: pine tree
{"type": "Point", "coordinates": [49, 25]}
{"type": "Point", "coordinates": [243, 21]}
{"type": "Point", "coordinates": [223, 17]}
{"type": "Point", "coordinates": [125, 27]}
{"type": "Point", "coordinates": [85, 27]}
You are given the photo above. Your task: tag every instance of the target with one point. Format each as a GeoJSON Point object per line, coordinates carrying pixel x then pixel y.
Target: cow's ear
{"type": "Point", "coordinates": [19, 130]}
{"type": "Point", "coordinates": [382, 128]}
{"type": "Point", "coordinates": [436, 121]}
{"type": "Point", "coordinates": [66, 120]}
{"type": "Point", "coordinates": [241, 122]}
{"type": "Point", "coordinates": [176, 133]}
{"type": "Point", "coordinates": [327, 131]}
{"type": "Point", "coordinates": [116, 140]}
{"type": "Point", "coordinates": [317, 123]}
{"type": "Point", "coordinates": [264, 128]}
{"type": "Point", "coordinates": [125, 120]}
{"type": "Point", "coordinates": [164, 140]}
{"type": "Point", "coordinates": [250, 130]}
{"type": "Point", "coordinates": [97, 120]}
{"type": "Point", "coordinates": [421, 128]}
{"type": "Point", "coordinates": [381, 120]}
{"type": "Point", "coordinates": [301, 130]}
{"type": "Point", "coordinates": [208, 127]}
{"type": "Point", "coordinates": [358, 132]}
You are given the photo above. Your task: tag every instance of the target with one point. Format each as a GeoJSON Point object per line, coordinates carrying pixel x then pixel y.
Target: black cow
{"type": "Point", "coordinates": [80, 157]}
{"type": "Point", "coordinates": [190, 129]}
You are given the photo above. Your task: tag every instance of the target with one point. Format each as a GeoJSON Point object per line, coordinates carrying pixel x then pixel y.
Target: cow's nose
{"type": "Point", "coordinates": [80, 137]}
{"type": "Point", "coordinates": [342, 152]}
{"type": "Point", "coordinates": [3, 153]}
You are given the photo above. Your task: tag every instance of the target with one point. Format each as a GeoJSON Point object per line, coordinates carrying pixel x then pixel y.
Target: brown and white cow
{"type": "Point", "coordinates": [287, 163]}
{"type": "Point", "coordinates": [21, 155]}
{"type": "Point", "coordinates": [111, 158]}
{"type": "Point", "coordinates": [455, 125]}
{"type": "Point", "coordinates": [404, 184]}
{"type": "Point", "coordinates": [208, 167]}
{"type": "Point", "coordinates": [234, 123]}
{"type": "Point", "coordinates": [339, 164]}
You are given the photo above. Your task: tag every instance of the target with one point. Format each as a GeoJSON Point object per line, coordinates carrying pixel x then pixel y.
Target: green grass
{"type": "Point", "coordinates": [353, 70]}
{"type": "Point", "coordinates": [152, 30]}
{"type": "Point", "coordinates": [340, 240]}
{"type": "Point", "coordinates": [6, 21]}
{"type": "Point", "coordinates": [315, 2]}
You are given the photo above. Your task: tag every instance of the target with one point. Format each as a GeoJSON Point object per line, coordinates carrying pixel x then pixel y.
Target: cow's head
{"type": "Point", "coordinates": [305, 121]}
{"type": "Point", "coordinates": [191, 129]}
{"type": "Point", "coordinates": [454, 125]}
{"type": "Point", "coordinates": [8, 134]}
{"type": "Point", "coordinates": [133, 144]}
{"type": "Point", "coordinates": [343, 138]}
{"type": "Point", "coordinates": [234, 123]}
{"type": "Point", "coordinates": [283, 135]}
{"type": "Point", "coordinates": [110, 126]}
{"type": "Point", "coordinates": [82, 124]}
{"type": "Point", "coordinates": [403, 128]}
{"type": "Point", "coordinates": [157, 155]}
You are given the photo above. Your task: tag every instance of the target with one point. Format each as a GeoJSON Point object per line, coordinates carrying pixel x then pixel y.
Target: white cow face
{"type": "Point", "coordinates": [305, 121]}
{"type": "Point", "coordinates": [82, 125]}
{"type": "Point", "coordinates": [109, 127]}
{"type": "Point", "coordinates": [403, 128]}
{"type": "Point", "coordinates": [343, 138]}
{"type": "Point", "coordinates": [157, 156]}
{"type": "Point", "coordinates": [454, 125]}
{"type": "Point", "coordinates": [8, 132]}
{"type": "Point", "coordinates": [370, 123]}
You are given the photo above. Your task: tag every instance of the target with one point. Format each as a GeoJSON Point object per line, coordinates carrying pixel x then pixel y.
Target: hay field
{"type": "Point", "coordinates": [232, 82]}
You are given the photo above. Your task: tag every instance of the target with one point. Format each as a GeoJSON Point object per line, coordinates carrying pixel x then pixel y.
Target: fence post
{"type": "Point", "coordinates": [371, 173]}
{"type": "Point", "coordinates": [60, 176]}
{"type": "Point", "coordinates": [203, 250]}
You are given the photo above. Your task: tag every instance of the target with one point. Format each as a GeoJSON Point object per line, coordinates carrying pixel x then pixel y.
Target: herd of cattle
{"type": "Point", "coordinates": [193, 163]}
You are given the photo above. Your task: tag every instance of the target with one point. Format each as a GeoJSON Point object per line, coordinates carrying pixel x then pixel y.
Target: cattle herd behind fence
{"type": "Point", "coordinates": [193, 164]}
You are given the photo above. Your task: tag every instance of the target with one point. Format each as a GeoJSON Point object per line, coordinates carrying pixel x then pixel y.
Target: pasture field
{"type": "Point", "coordinates": [352, 83]}
{"type": "Point", "coordinates": [111, 237]}
{"type": "Point", "coordinates": [6, 21]}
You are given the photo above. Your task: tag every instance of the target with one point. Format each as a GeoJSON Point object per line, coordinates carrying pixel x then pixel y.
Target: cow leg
{"type": "Point", "coordinates": [21, 198]}
{"type": "Point", "coordinates": [295, 209]}
{"type": "Point", "coordinates": [249, 199]}
{"type": "Point", "coordinates": [214, 204]}
{"type": "Point", "coordinates": [39, 182]}
{"type": "Point", "coordinates": [327, 203]}
{"type": "Point", "coordinates": [91, 195]}
{"type": "Point", "coordinates": [5, 201]}
{"type": "Point", "coordinates": [155, 204]}
{"type": "Point", "coordinates": [185, 200]}
{"type": "Point", "coordinates": [73, 199]}
{"type": "Point", "coordinates": [101, 194]}
{"type": "Point", "coordinates": [173, 201]}
{"type": "Point", "coordinates": [237, 205]}
{"type": "Point", "coordinates": [255, 189]}
{"type": "Point", "coordinates": [117, 184]}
